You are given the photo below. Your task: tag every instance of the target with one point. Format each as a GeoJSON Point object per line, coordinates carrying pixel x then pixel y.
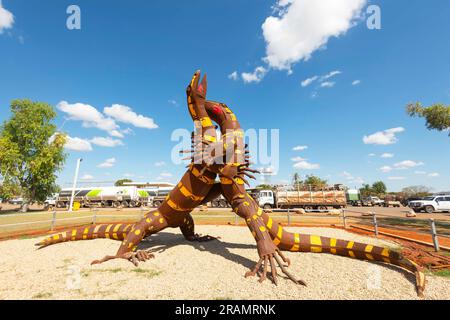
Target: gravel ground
{"type": "Point", "coordinates": [212, 270]}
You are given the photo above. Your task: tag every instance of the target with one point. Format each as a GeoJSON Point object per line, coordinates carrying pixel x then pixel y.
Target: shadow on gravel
{"type": "Point", "coordinates": [163, 240]}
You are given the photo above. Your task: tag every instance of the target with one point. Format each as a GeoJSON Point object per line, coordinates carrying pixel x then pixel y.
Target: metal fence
{"type": "Point", "coordinates": [423, 226]}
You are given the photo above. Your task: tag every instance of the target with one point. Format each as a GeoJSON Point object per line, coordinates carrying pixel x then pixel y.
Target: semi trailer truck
{"type": "Point", "coordinates": [103, 197]}
{"type": "Point", "coordinates": [306, 199]}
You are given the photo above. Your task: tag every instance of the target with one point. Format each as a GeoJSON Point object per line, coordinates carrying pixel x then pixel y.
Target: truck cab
{"type": "Point", "coordinates": [265, 198]}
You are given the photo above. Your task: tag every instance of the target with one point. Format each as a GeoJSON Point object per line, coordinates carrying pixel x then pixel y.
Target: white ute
{"type": "Point", "coordinates": [431, 204]}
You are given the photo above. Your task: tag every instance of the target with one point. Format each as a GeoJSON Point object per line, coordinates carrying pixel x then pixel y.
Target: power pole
{"type": "Point", "coordinates": [74, 183]}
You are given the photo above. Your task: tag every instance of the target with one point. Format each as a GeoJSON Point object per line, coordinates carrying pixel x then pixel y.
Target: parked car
{"type": "Point", "coordinates": [431, 204]}
{"type": "Point", "coordinates": [16, 201]}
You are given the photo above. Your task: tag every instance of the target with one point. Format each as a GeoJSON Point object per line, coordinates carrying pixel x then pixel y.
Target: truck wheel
{"type": "Point", "coordinates": [116, 204]}
{"type": "Point", "coordinates": [323, 208]}
{"type": "Point", "coordinates": [267, 206]}
{"type": "Point", "coordinates": [125, 204]}
{"type": "Point", "coordinates": [156, 203]}
{"type": "Point", "coordinates": [222, 204]}
{"type": "Point", "coordinates": [132, 204]}
{"type": "Point", "coordinates": [309, 208]}
{"type": "Point", "coordinates": [429, 209]}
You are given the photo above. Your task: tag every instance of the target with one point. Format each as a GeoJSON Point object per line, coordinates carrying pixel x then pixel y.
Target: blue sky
{"type": "Point", "coordinates": [141, 54]}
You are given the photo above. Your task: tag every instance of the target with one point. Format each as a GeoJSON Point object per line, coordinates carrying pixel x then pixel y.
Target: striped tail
{"type": "Point", "coordinates": [296, 242]}
{"type": "Point", "coordinates": [101, 231]}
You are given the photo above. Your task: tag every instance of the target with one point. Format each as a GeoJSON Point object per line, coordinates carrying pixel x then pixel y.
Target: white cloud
{"type": "Point", "coordinates": [166, 174]}
{"type": "Point", "coordinates": [125, 114]}
{"type": "Point", "coordinates": [304, 26]}
{"type": "Point", "coordinates": [356, 82]}
{"type": "Point", "coordinates": [387, 155]}
{"type": "Point", "coordinates": [347, 175]}
{"type": "Point", "coordinates": [330, 75]}
{"type": "Point", "coordinates": [116, 133]}
{"type": "Point", "coordinates": [89, 116]}
{"type": "Point", "coordinates": [419, 172]}
{"type": "Point", "coordinates": [407, 164]}
{"type": "Point", "coordinates": [371, 154]}
{"type": "Point", "coordinates": [128, 175]}
{"type": "Point", "coordinates": [108, 163]}
{"type": "Point", "coordinates": [172, 102]}
{"type": "Point", "coordinates": [357, 180]}
{"type": "Point", "coordinates": [383, 137]}
{"type": "Point", "coordinates": [233, 76]}
{"type": "Point", "coordinates": [77, 144]}
{"type": "Point", "coordinates": [396, 178]}
{"type": "Point", "coordinates": [87, 177]}
{"type": "Point", "coordinates": [255, 76]}
{"type": "Point", "coordinates": [324, 84]}
{"type": "Point", "coordinates": [6, 19]}
{"type": "Point", "coordinates": [308, 81]}
{"type": "Point", "coordinates": [433, 175]}
{"type": "Point", "coordinates": [267, 171]}
{"type": "Point", "coordinates": [106, 142]}
{"type": "Point", "coordinates": [300, 148]}
{"type": "Point", "coordinates": [160, 164]}
{"type": "Point", "coordinates": [298, 159]}
{"type": "Point", "coordinates": [386, 169]}
{"type": "Point", "coordinates": [327, 84]}
{"type": "Point", "coordinates": [305, 165]}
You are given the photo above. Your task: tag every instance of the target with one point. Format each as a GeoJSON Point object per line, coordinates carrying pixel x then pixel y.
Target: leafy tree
{"type": "Point", "coordinates": [416, 191]}
{"type": "Point", "coordinates": [8, 190]}
{"type": "Point", "coordinates": [265, 186]}
{"type": "Point", "coordinates": [120, 183]}
{"type": "Point", "coordinates": [31, 152]}
{"type": "Point", "coordinates": [437, 116]}
{"type": "Point", "coordinates": [379, 188]}
{"type": "Point", "coordinates": [366, 190]}
{"type": "Point", "coordinates": [315, 182]}
{"type": "Point", "coordinates": [296, 180]}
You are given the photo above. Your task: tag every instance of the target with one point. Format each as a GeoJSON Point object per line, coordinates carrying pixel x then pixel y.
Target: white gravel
{"type": "Point", "coordinates": [212, 270]}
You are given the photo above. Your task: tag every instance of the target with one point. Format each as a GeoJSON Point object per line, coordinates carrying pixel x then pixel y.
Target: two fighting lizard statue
{"type": "Point", "coordinates": [228, 158]}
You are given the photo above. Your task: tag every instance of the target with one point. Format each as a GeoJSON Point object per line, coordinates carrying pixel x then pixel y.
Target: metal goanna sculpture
{"type": "Point", "coordinates": [228, 158]}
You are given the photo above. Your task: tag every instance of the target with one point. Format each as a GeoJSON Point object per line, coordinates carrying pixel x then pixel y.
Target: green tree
{"type": "Point", "coordinates": [119, 183]}
{"type": "Point", "coordinates": [366, 190]}
{"type": "Point", "coordinates": [296, 180]}
{"type": "Point", "coordinates": [31, 151]}
{"type": "Point", "coordinates": [379, 188]}
{"type": "Point", "coordinates": [437, 116]}
{"type": "Point", "coordinates": [265, 186]}
{"type": "Point", "coordinates": [315, 182]}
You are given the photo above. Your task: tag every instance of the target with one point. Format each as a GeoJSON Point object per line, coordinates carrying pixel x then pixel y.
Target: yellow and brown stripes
{"type": "Point", "coordinates": [116, 231]}
{"type": "Point", "coordinates": [207, 177]}
{"type": "Point", "coordinates": [152, 223]}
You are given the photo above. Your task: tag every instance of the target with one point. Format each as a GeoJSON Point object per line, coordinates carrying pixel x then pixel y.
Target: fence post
{"type": "Point", "coordinates": [94, 217]}
{"type": "Point", "coordinates": [53, 220]}
{"type": "Point", "coordinates": [375, 224]}
{"type": "Point", "coordinates": [344, 219]}
{"type": "Point", "coordinates": [434, 235]}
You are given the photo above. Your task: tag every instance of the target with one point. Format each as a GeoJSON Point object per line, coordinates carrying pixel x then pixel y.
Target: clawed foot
{"type": "Point", "coordinates": [134, 257]}
{"type": "Point", "coordinates": [200, 238]}
{"type": "Point", "coordinates": [269, 259]}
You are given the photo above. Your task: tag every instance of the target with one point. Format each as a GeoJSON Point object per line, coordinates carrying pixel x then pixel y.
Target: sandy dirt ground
{"type": "Point", "coordinates": [213, 270]}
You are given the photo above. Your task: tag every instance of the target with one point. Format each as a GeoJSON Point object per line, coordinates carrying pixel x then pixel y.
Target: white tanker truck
{"type": "Point", "coordinates": [105, 197]}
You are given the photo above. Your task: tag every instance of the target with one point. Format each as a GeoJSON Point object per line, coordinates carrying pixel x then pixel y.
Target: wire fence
{"type": "Point", "coordinates": [19, 224]}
